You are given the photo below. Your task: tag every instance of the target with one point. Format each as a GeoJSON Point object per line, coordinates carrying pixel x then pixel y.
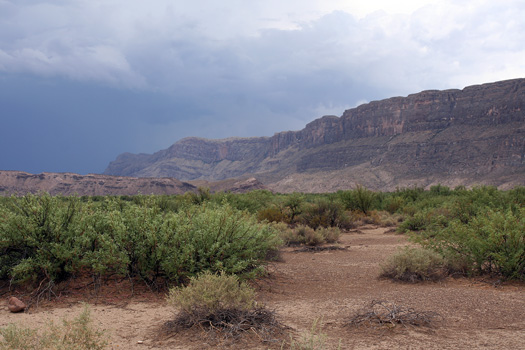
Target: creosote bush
{"type": "Point", "coordinates": [414, 265]}
{"type": "Point", "coordinates": [77, 334]}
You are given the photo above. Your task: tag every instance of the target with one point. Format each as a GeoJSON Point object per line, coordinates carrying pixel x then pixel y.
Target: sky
{"type": "Point", "coordinates": [82, 81]}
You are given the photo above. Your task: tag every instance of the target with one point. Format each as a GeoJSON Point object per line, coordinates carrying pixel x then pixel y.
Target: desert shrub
{"type": "Point", "coordinates": [252, 201]}
{"type": "Point", "coordinates": [414, 265]}
{"type": "Point", "coordinates": [364, 198]}
{"type": "Point", "coordinates": [324, 213]}
{"type": "Point", "coordinates": [45, 238]}
{"type": "Point", "coordinates": [215, 238]}
{"type": "Point", "coordinates": [303, 234]}
{"type": "Point", "coordinates": [312, 237]}
{"type": "Point", "coordinates": [417, 222]}
{"type": "Point", "coordinates": [488, 243]}
{"type": "Point", "coordinates": [208, 293]}
{"type": "Point", "coordinates": [410, 194]}
{"type": "Point", "coordinates": [386, 219]}
{"type": "Point", "coordinates": [272, 214]}
{"type": "Point", "coordinates": [440, 190]}
{"type": "Point", "coordinates": [294, 204]}
{"type": "Point", "coordinates": [329, 234]}
{"type": "Point", "coordinates": [77, 334]}
{"type": "Point", "coordinates": [35, 238]}
{"type": "Point", "coordinates": [393, 204]}
{"type": "Point", "coordinates": [360, 198]}
{"type": "Point", "coordinates": [220, 302]}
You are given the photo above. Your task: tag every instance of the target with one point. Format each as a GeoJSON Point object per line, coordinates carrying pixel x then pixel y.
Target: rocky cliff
{"type": "Point", "coordinates": [453, 137]}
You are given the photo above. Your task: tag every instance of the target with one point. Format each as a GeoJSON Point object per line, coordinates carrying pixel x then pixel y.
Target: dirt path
{"type": "Point", "coordinates": [332, 286]}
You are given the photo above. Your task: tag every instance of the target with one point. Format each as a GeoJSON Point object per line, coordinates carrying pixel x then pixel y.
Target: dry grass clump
{"type": "Point", "coordinates": [315, 339]}
{"type": "Point", "coordinates": [77, 334]}
{"type": "Point", "coordinates": [222, 306]}
{"type": "Point", "coordinates": [414, 265]}
{"type": "Point", "coordinates": [381, 313]}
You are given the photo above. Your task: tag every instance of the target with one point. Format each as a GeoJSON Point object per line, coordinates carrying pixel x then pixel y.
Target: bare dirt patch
{"type": "Point", "coordinates": [331, 285]}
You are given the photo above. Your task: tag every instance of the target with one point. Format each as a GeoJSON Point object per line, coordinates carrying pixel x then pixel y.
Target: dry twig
{"type": "Point", "coordinates": [230, 324]}
{"type": "Point", "coordinates": [386, 314]}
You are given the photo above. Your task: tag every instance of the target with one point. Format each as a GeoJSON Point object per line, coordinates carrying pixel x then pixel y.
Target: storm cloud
{"type": "Point", "coordinates": [82, 81]}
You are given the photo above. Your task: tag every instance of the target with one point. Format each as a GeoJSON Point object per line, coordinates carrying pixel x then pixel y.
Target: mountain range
{"type": "Point", "coordinates": [473, 136]}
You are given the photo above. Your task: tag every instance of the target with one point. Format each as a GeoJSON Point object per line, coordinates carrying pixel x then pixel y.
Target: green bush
{"type": "Point", "coordinates": [490, 243]}
{"type": "Point", "coordinates": [35, 238]}
{"type": "Point", "coordinates": [303, 234]}
{"type": "Point", "coordinates": [324, 213]}
{"type": "Point", "coordinates": [414, 265]}
{"type": "Point", "coordinates": [418, 222]}
{"type": "Point", "coordinates": [77, 334]}
{"type": "Point", "coordinates": [393, 204]}
{"type": "Point", "coordinates": [45, 238]}
{"type": "Point", "coordinates": [214, 238]}
{"type": "Point", "coordinates": [360, 198]}
{"type": "Point", "coordinates": [208, 293]}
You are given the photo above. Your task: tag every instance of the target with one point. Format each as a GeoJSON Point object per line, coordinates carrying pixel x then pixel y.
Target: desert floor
{"type": "Point", "coordinates": [330, 286]}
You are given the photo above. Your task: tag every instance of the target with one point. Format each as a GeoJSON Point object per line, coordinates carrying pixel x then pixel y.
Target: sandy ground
{"type": "Point", "coordinates": [330, 286]}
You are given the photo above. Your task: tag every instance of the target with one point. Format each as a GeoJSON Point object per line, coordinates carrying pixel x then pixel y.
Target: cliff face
{"type": "Point", "coordinates": [470, 136]}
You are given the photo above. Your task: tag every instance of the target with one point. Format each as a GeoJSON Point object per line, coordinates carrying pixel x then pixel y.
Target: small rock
{"type": "Point", "coordinates": [16, 305]}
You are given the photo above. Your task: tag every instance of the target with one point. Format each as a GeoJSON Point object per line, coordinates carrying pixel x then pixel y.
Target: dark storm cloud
{"type": "Point", "coordinates": [82, 81]}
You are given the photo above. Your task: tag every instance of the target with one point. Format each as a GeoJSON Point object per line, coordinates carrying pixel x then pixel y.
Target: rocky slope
{"type": "Point", "coordinates": [17, 182]}
{"type": "Point", "coordinates": [20, 183]}
{"type": "Point", "coordinates": [453, 137]}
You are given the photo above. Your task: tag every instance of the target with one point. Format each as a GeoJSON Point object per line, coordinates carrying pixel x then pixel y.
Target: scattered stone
{"type": "Point", "coordinates": [16, 305]}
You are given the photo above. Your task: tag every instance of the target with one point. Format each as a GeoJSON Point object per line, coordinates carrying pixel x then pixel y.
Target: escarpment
{"type": "Point", "coordinates": [454, 137]}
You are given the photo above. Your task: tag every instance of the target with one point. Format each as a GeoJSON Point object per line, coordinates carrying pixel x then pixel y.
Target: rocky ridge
{"type": "Point", "coordinates": [20, 183]}
{"type": "Point", "coordinates": [453, 137]}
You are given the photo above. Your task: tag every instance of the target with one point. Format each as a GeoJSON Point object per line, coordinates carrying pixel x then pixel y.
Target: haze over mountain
{"type": "Point", "coordinates": [453, 137]}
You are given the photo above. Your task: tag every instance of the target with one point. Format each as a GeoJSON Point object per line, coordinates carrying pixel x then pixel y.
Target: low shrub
{"type": "Point", "coordinates": [417, 222]}
{"type": "Point", "coordinates": [207, 293]}
{"type": "Point", "coordinates": [330, 234]}
{"type": "Point", "coordinates": [77, 334]}
{"type": "Point", "coordinates": [272, 214]}
{"type": "Point", "coordinates": [414, 265]}
{"type": "Point", "coordinates": [220, 302]}
{"type": "Point", "coordinates": [302, 234]}
{"type": "Point", "coordinates": [490, 243]}
{"type": "Point", "coordinates": [324, 213]}
{"type": "Point", "coordinates": [393, 204]}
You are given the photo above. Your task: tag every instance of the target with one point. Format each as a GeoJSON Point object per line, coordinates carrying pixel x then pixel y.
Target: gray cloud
{"type": "Point", "coordinates": [244, 69]}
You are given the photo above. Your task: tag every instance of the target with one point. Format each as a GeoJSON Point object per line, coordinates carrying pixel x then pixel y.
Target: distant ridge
{"type": "Point", "coordinates": [453, 137]}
